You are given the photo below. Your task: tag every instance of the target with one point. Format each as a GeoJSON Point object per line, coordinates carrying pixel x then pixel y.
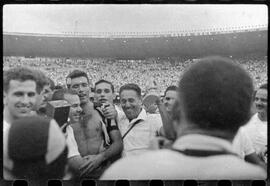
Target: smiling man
{"type": "Point", "coordinates": [137, 127]}
{"type": "Point", "coordinates": [257, 126]}
{"type": "Point", "coordinates": [93, 135]}
{"type": "Point", "coordinates": [20, 96]}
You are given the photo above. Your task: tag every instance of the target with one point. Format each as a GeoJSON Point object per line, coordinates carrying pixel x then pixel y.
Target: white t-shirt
{"type": "Point", "coordinates": [242, 144]}
{"type": "Point", "coordinates": [257, 132]}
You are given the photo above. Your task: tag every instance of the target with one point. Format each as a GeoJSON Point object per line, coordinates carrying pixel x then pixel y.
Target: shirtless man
{"type": "Point", "coordinates": [92, 135]}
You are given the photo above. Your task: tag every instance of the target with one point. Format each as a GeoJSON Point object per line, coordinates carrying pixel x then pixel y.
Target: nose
{"type": "Point", "coordinates": [25, 99]}
{"type": "Point", "coordinates": [79, 109]}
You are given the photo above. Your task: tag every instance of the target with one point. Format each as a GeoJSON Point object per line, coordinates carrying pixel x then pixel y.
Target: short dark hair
{"type": "Point", "coordinates": [216, 94]}
{"type": "Point", "coordinates": [172, 87]}
{"type": "Point", "coordinates": [131, 86]}
{"type": "Point", "coordinates": [104, 81]}
{"type": "Point", "coordinates": [59, 94]}
{"type": "Point", "coordinates": [263, 86]}
{"type": "Point", "coordinates": [20, 74]}
{"type": "Point", "coordinates": [75, 74]}
{"type": "Point", "coordinates": [42, 80]}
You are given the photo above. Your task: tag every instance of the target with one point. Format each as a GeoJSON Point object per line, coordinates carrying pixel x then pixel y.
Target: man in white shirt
{"type": "Point", "coordinates": [20, 97]}
{"type": "Point", "coordinates": [137, 127]}
{"type": "Point", "coordinates": [256, 128]}
{"type": "Point", "coordinates": [214, 97]}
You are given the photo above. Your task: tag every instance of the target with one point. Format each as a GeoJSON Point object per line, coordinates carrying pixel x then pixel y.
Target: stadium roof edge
{"type": "Point", "coordinates": [129, 35]}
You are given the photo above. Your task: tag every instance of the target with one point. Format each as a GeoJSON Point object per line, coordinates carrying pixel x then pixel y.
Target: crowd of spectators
{"type": "Point", "coordinates": [164, 71]}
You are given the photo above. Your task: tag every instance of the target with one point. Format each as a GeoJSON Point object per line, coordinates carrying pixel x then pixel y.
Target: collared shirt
{"type": "Point", "coordinates": [257, 132]}
{"type": "Point", "coordinates": [168, 164]}
{"type": "Point", "coordinates": [137, 141]}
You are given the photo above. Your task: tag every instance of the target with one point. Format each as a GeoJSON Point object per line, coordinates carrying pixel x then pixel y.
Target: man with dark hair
{"type": "Point", "coordinates": [20, 96]}
{"type": "Point", "coordinates": [138, 129]}
{"type": "Point", "coordinates": [93, 136]}
{"type": "Point", "coordinates": [214, 97]}
{"type": "Point", "coordinates": [104, 94]}
{"type": "Point", "coordinates": [256, 128]}
{"type": "Point", "coordinates": [44, 93]}
{"type": "Point", "coordinates": [170, 96]}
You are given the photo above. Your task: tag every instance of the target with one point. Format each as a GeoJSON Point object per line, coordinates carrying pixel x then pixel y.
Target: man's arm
{"type": "Point", "coordinates": [167, 126]}
{"type": "Point", "coordinates": [116, 146]}
{"type": "Point", "coordinates": [110, 153]}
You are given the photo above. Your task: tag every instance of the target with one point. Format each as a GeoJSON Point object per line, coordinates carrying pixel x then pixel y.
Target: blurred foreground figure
{"type": "Point", "coordinates": [37, 149]}
{"type": "Point", "coordinates": [214, 98]}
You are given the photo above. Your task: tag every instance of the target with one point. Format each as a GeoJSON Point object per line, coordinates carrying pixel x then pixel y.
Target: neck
{"type": "Point", "coordinates": [7, 116]}
{"type": "Point", "coordinates": [88, 106]}
{"type": "Point", "coordinates": [193, 129]}
{"type": "Point", "coordinates": [262, 116]}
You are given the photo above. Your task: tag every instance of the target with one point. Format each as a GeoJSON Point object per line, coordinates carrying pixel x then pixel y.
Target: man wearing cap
{"type": "Point", "coordinates": [214, 97]}
{"type": "Point", "coordinates": [93, 132]}
{"type": "Point", "coordinates": [20, 97]}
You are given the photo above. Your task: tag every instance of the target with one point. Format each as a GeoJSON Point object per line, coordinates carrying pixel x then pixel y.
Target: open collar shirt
{"type": "Point", "coordinates": [138, 139]}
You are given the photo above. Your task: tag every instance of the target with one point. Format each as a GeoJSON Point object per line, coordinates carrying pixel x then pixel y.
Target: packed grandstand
{"type": "Point", "coordinates": [127, 57]}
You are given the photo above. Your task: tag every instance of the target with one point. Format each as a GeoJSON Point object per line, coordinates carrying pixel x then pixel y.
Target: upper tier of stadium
{"type": "Point", "coordinates": [126, 45]}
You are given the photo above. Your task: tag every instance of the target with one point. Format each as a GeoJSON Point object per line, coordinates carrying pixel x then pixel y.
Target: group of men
{"type": "Point", "coordinates": [201, 128]}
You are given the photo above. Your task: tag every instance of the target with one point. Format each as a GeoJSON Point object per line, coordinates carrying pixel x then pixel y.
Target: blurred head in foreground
{"type": "Point", "coordinates": [215, 98]}
{"type": "Point", "coordinates": [37, 149]}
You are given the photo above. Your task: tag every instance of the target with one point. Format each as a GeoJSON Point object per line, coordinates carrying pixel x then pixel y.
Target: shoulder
{"type": "Point", "coordinates": [136, 167]}
{"type": "Point", "coordinates": [154, 120]}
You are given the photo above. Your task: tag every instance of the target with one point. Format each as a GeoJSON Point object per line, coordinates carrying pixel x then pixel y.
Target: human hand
{"type": "Point", "coordinates": [109, 111]}
{"type": "Point", "coordinates": [91, 163]}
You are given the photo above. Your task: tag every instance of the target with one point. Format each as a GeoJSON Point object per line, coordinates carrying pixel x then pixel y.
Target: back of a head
{"type": "Point", "coordinates": [37, 148]}
{"type": "Point", "coordinates": [216, 94]}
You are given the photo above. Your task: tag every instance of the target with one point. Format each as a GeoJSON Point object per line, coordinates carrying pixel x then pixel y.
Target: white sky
{"type": "Point", "coordinates": [128, 18]}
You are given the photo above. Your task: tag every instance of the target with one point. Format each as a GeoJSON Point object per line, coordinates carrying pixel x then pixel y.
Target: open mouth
{"type": "Point", "coordinates": [259, 107]}
{"type": "Point", "coordinates": [102, 100]}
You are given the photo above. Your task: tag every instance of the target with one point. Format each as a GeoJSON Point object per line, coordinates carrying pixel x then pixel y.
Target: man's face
{"type": "Point", "coordinates": [75, 108]}
{"type": "Point", "coordinates": [44, 97]}
{"type": "Point", "coordinates": [103, 93]}
{"type": "Point", "coordinates": [131, 103]}
{"type": "Point", "coordinates": [261, 101]}
{"type": "Point", "coordinates": [81, 86]}
{"type": "Point", "coordinates": [20, 98]}
{"type": "Point", "coordinates": [169, 99]}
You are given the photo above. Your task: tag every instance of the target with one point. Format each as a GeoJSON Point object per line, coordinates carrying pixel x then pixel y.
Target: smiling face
{"type": "Point", "coordinates": [75, 109]}
{"type": "Point", "coordinates": [20, 98]}
{"type": "Point", "coordinates": [103, 93]}
{"type": "Point", "coordinates": [81, 86]}
{"type": "Point", "coordinates": [131, 103]}
{"type": "Point", "coordinates": [169, 99]}
{"type": "Point", "coordinates": [261, 101]}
